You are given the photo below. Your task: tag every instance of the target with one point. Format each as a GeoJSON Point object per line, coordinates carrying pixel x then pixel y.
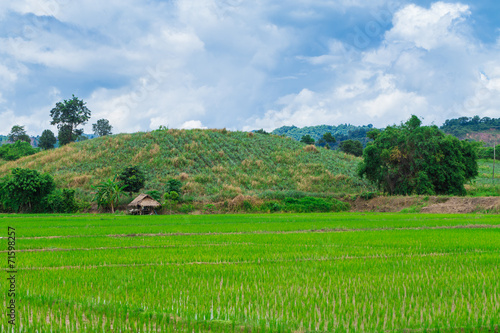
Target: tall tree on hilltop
{"type": "Point", "coordinates": [47, 140]}
{"type": "Point", "coordinates": [68, 115]}
{"type": "Point", "coordinates": [102, 127]}
{"type": "Point", "coordinates": [18, 133]}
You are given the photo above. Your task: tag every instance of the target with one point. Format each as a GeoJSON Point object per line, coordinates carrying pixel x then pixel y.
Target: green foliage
{"type": "Point", "coordinates": [102, 127]}
{"type": "Point", "coordinates": [18, 133]}
{"type": "Point", "coordinates": [61, 201]}
{"type": "Point", "coordinates": [460, 127]}
{"type": "Point", "coordinates": [186, 208]}
{"type": "Point", "coordinates": [352, 147]}
{"type": "Point", "coordinates": [47, 140]}
{"type": "Point", "coordinates": [155, 195]}
{"type": "Point", "coordinates": [340, 133]}
{"type": "Point", "coordinates": [108, 193]}
{"type": "Point", "coordinates": [488, 152]}
{"type": "Point", "coordinates": [413, 159]}
{"type": "Point", "coordinates": [68, 115]}
{"type": "Point", "coordinates": [261, 131]}
{"type": "Point", "coordinates": [211, 166]}
{"type": "Point", "coordinates": [307, 139]}
{"type": "Point", "coordinates": [132, 178]}
{"type": "Point", "coordinates": [173, 185]}
{"type": "Point", "coordinates": [25, 190]}
{"type": "Point", "coordinates": [12, 152]}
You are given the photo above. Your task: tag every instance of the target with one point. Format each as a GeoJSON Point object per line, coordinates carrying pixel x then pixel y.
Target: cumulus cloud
{"type": "Point", "coordinates": [427, 64]}
{"type": "Point", "coordinates": [243, 65]}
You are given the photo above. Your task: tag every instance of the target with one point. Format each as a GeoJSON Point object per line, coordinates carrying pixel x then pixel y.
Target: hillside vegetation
{"type": "Point", "coordinates": [212, 164]}
{"type": "Point", "coordinates": [341, 132]}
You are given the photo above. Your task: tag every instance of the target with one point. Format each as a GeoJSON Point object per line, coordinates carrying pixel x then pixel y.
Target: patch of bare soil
{"type": "Point", "coordinates": [464, 205]}
{"type": "Point", "coordinates": [433, 204]}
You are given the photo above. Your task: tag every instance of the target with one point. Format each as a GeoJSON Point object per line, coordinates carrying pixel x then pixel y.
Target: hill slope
{"type": "Point", "coordinates": [212, 164]}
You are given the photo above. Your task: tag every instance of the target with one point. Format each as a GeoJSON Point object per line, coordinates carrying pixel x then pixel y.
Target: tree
{"type": "Point", "coordinates": [108, 193]}
{"type": "Point", "coordinates": [307, 139]}
{"type": "Point", "coordinates": [25, 189]}
{"type": "Point", "coordinates": [328, 138]}
{"type": "Point", "coordinates": [47, 140]}
{"type": "Point", "coordinates": [173, 185]}
{"type": "Point", "coordinates": [68, 115]}
{"type": "Point", "coordinates": [16, 150]}
{"type": "Point", "coordinates": [102, 127]}
{"type": "Point", "coordinates": [353, 147]}
{"type": "Point", "coordinates": [133, 179]}
{"type": "Point", "coordinates": [18, 133]}
{"type": "Point", "coordinates": [414, 159]}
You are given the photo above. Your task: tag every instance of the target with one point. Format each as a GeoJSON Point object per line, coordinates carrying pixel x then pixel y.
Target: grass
{"type": "Point", "coordinates": [274, 273]}
{"type": "Point", "coordinates": [212, 164]}
{"type": "Point", "coordinates": [485, 185]}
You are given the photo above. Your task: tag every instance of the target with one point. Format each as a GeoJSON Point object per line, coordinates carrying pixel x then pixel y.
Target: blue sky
{"type": "Point", "coordinates": [247, 65]}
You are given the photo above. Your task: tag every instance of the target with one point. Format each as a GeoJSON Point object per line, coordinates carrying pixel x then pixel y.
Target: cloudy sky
{"type": "Point", "coordinates": [245, 65]}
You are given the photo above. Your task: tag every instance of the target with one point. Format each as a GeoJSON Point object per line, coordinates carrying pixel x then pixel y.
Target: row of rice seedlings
{"type": "Point", "coordinates": [374, 296]}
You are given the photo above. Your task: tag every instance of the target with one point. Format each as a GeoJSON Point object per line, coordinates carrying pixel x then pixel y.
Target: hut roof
{"type": "Point", "coordinates": [144, 200]}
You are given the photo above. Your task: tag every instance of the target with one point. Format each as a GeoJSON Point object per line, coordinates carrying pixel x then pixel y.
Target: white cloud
{"type": "Point", "coordinates": [429, 28]}
{"type": "Point", "coordinates": [428, 64]}
{"type": "Point", "coordinates": [241, 64]}
{"type": "Point", "coordinates": [193, 124]}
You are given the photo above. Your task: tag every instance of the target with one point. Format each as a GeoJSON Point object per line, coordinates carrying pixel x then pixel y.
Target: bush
{"type": "Point", "coordinates": [61, 201]}
{"type": "Point", "coordinates": [12, 152]}
{"type": "Point", "coordinates": [186, 208]}
{"type": "Point", "coordinates": [271, 206]}
{"type": "Point", "coordinates": [310, 204]}
{"type": "Point", "coordinates": [155, 195]}
{"type": "Point", "coordinates": [133, 179]}
{"type": "Point", "coordinates": [25, 190]}
{"type": "Point", "coordinates": [173, 185]}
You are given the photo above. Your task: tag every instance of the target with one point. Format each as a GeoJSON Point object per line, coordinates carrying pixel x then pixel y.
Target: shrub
{"type": "Point", "coordinates": [155, 195]}
{"type": "Point", "coordinates": [12, 152]}
{"type": "Point", "coordinates": [132, 178]}
{"type": "Point", "coordinates": [25, 190]}
{"type": "Point", "coordinates": [271, 206]}
{"type": "Point", "coordinates": [186, 208]}
{"type": "Point", "coordinates": [311, 149]}
{"type": "Point", "coordinates": [173, 185]}
{"type": "Point", "coordinates": [61, 201]}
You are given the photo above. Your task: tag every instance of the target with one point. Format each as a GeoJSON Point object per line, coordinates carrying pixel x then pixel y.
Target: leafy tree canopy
{"type": "Point", "coordinates": [102, 127]}
{"type": "Point", "coordinates": [328, 138]}
{"type": "Point", "coordinates": [173, 185]}
{"type": "Point", "coordinates": [414, 159]}
{"type": "Point", "coordinates": [12, 152]}
{"type": "Point", "coordinates": [132, 178]}
{"type": "Point", "coordinates": [18, 133]}
{"type": "Point", "coordinates": [353, 147]}
{"type": "Point", "coordinates": [307, 139]}
{"type": "Point", "coordinates": [25, 189]}
{"type": "Point", "coordinates": [68, 115]}
{"type": "Point", "coordinates": [47, 140]}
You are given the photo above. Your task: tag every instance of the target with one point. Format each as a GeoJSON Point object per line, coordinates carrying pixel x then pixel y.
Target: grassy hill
{"type": "Point", "coordinates": [212, 164]}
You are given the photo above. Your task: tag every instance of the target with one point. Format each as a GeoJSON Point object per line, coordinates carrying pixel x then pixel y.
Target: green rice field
{"type": "Point", "coordinates": [342, 272]}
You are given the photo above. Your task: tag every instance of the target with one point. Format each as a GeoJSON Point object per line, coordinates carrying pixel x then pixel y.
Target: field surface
{"type": "Point", "coordinates": [255, 273]}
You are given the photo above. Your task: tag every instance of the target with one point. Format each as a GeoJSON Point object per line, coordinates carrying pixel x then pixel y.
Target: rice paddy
{"type": "Point", "coordinates": [340, 272]}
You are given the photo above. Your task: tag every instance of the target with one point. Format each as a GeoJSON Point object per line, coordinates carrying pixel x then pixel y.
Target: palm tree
{"type": "Point", "coordinates": [108, 193]}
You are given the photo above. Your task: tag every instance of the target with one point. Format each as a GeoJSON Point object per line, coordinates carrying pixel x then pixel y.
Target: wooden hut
{"type": "Point", "coordinates": [143, 205]}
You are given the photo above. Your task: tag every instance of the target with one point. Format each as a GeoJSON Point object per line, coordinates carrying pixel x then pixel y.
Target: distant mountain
{"type": "Point", "coordinates": [474, 128]}
{"type": "Point", "coordinates": [341, 132]}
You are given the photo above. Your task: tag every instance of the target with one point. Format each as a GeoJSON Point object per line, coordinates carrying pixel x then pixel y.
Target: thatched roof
{"type": "Point", "coordinates": [144, 200]}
